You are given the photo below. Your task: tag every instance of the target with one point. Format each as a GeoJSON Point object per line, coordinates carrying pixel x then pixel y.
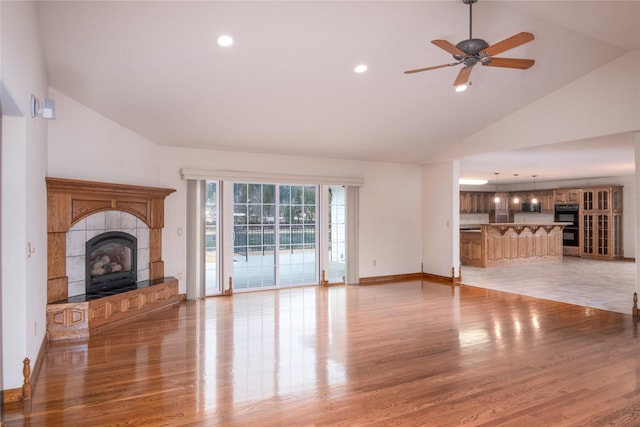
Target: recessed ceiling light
{"type": "Point", "coordinates": [360, 68]}
{"type": "Point", "coordinates": [472, 181]}
{"type": "Point", "coordinates": [225, 41]}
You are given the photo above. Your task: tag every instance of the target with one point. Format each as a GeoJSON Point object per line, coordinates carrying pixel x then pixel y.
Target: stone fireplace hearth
{"type": "Point", "coordinates": [70, 204]}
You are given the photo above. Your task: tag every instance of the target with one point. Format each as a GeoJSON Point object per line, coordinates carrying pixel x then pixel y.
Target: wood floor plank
{"type": "Point", "coordinates": [414, 353]}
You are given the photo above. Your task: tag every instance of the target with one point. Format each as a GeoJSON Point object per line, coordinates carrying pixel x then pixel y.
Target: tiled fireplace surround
{"type": "Point", "coordinates": [76, 212]}
{"type": "Point", "coordinates": [94, 225]}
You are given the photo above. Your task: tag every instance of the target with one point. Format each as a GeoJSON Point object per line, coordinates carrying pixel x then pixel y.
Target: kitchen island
{"type": "Point", "coordinates": [502, 244]}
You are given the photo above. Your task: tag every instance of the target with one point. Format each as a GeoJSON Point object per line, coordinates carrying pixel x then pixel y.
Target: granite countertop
{"type": "Point", "coordinates": [526, 224]}
{"type": "Point", "coordinates": [478, 227]}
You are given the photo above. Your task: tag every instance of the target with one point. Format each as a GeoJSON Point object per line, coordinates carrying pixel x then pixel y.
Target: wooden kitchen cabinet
{"type": "Point", "coordinates": [601, 223]}
{"type": "Point", "coordinates": [547, 202]}
{"type": "Point", "coordinates": [566, 196]}
{"type": "Point", "coordinates": [465, 197]}
{"type": "Point", "coordinates": [516, 207]}
{"type": "Point", "coordinates": [544, 197]}
{"type": "Point", "coordinates": [503, 202]}
{"type": "Point", "coordinates": [484, 202]}
{"type": "Point", "coordinates": [501, 210]}
{"type": "Point", "coordinates": [480, 202]}
{"type": "Point", "coordinates": [600, 218]}
{"type": "Point", "coordinates": [476, 202]}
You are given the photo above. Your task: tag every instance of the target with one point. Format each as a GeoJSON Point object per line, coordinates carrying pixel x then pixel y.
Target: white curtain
{"type": "Point", "coordinates": [195, 280]}
{"type": "Point", "coordinates": [353, 214]}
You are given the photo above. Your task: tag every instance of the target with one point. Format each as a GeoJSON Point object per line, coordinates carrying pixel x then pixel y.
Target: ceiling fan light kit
{"type": "Point", "coordinates": [471, 51]}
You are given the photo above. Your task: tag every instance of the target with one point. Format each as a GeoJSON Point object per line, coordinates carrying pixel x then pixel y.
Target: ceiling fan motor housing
{"type": "Point", "coordinates": [471, 47]}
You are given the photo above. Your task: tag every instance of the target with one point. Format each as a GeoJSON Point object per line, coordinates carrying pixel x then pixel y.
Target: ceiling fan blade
{"type": "Point", "coordinates": [418, 70]}
{"type": "Point", "coordinates": [521, 64]}
{"type": "Point", "coordinates": [506, 44]}
{"type": "Point", "coordinates": [443, 44]}
{"type": "Point", "coordinates": [463, 76]}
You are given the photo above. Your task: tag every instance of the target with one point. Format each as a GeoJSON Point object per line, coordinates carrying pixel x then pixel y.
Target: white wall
{"type": "Point", "coordinates": [441, 219]}
{"type": "Point", "coordinates": [85, 145]}
{"type": "Point", "coordinates": [24, 153]}
{"type": "Point", "coordinates": [389, 202]}
{"type": "Point", "coordinates": [603, 102]}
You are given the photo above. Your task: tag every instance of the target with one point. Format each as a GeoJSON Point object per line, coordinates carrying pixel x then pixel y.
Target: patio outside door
{"type": "Point", "coordinates": [274, 235]}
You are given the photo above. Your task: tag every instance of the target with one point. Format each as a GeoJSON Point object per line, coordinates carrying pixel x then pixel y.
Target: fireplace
{"type": "Point", "coordinates": [78, 210]}
{"type": "Point", "coordinates": [110, 262]}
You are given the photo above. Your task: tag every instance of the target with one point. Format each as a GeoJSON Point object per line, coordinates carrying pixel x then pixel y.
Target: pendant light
{"type": "Point", "coordinates": [496, 199]}
{"type": "Point", "coordinates": [516, 200]}
{"type": "Point", "coordinates": [534, 200]}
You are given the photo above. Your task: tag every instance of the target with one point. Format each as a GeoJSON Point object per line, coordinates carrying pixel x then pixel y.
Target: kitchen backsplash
{"type": "Point", "coordinates": [481, 218]}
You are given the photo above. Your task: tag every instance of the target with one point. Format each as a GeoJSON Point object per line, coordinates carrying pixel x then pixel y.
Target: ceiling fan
{"type": "Point", "coordinates": [471, 51]}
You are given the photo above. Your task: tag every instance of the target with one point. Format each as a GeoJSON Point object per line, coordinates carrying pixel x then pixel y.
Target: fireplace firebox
{"type": "Point", "coordinates": [111, 262]}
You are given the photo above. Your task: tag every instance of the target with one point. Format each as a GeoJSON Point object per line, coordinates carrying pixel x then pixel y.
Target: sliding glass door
{"type": "Point", "coordinates": [274, 235]}
{"type": "Point", "coordinates": [268, 235]}
{"type": "Point", "coordinates": [337, 237]}
{"type": "Point", "coordinates": [254, 250]}
{"type": "Point", "coordinates": [298, 253]}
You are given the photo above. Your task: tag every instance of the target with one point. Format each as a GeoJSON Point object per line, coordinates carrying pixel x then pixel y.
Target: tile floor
{"type": "Point", "coordinates": [608, 285]}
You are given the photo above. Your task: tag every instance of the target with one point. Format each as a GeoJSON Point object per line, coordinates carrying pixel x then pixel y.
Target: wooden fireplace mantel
{"type": "Point", "coordinates": [70, 200]}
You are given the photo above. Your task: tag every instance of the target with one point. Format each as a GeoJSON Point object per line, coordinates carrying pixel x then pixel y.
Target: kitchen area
{"type": "Point", "coordinates": [503, 228]}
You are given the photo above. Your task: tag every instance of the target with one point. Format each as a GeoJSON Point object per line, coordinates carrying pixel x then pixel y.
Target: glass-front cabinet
{"type": "Point", "coordinates": [601, 223]}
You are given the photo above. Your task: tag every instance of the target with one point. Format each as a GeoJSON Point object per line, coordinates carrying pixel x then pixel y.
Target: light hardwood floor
{"type": "Point", "coordinates": [399, 354]}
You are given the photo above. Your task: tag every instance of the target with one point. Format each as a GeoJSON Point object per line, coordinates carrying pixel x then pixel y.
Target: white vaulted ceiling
{"type": "Point", "coordinates": [287, 84]}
